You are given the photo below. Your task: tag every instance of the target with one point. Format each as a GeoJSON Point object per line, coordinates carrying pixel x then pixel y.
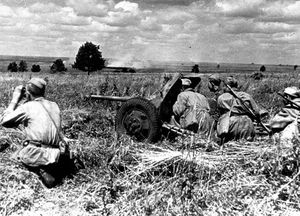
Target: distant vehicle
{"type": "Point", "coordinates": [122, 69]}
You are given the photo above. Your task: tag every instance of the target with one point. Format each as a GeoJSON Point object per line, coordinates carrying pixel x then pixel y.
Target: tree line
{"type": "Point", "coordinates": [57, 66]}
{"type": "Point", "coordinates": [89, 58]}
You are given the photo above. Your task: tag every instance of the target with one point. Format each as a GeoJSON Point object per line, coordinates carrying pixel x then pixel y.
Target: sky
{"type": "Point", "coordinates": [231, 31]}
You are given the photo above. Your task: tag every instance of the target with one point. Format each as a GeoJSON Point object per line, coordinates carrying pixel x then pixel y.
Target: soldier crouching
{"type": "Point", "coordinates": [44, 150]}
{"type": "Point", "coordinates": [234, 122]}
{"type": "Point", "coordinates": [284, 124]}
{"type": "Point", "coordinates": [191, 110]}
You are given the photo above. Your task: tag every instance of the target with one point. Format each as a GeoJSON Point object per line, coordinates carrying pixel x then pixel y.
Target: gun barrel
{"type": "Point", "coordinates": [248, 109]}
{"type": "Point", "coordinates": [177, 130]}
{"type": "Point", "coordinates": [241, 101]}
{"type": "Point", "coordinates": [288, 100]}
{"type": "Point", "coordinates": [111, 98]}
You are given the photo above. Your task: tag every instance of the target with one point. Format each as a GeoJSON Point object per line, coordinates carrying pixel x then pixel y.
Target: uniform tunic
{"type": "Point", "coordinates": [240, 125]}
{"type": "Point", "coordinates": [286, 122]}
{"type": "Point", "coordinates": [33, 119]}
{"type": "Point", "coordinates": [193, 110]}
{"type": "Point", "coordinates": [285, 117]}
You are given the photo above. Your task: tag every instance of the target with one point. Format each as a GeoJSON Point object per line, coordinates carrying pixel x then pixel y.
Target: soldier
{"type": "Point", "coordinates": [215, 85]}
{"type": "Point", "coordinates": [192, 109]}
{"type": "Point", "coordinates": [43, 151]}
{"type": "Point", "coordinates": [234, 122]}
{"type": "Point", "coordinates": [285, 122]}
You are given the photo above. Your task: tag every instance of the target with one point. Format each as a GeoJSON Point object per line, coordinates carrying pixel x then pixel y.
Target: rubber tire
{"type": "Point", "coordinates": [145, 106]}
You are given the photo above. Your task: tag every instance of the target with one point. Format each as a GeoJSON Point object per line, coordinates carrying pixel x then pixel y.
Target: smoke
{"type": "Point", "coordinates": [69, 61]}
{"type": "Point", "coordinates": [128, 60]}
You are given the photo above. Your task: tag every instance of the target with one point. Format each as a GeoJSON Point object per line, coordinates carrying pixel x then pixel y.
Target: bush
{"type": "Point", "coordinates": [262, 68]}
{"type": "Point", "coordinates": [12, 67]}
{"type": "Point", "coordinates": [35, 68]}
{"type": "Point", "coordinates": [131, 70]}
{"type": "Point", "coordinates": [22, 66]}
{"type": "Point", "coordinates": [89, 58]}
{"type": "Point", "coordinates": [58, 66]}
{"type": "Point", "coordinates": [195, 69]}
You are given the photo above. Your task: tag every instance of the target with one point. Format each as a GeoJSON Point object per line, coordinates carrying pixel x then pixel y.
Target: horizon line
{"type": "Point", "coordinates": [210, 62]}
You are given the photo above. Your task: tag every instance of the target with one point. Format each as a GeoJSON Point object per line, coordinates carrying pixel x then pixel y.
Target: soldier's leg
{"type": "Point", "coordinates": [68, 164]}
{"type": "Point", "coordinates": [35, 156]}
{"type": "Point", "coordinates": [54, 174]}
{"type": "Point", "coordinates": [47, 176]}
{"type": "Point", "coordinates": [40, 160]}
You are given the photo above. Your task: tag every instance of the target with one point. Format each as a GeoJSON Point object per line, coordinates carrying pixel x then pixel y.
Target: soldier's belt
{"type": "Point", "coordinates": [37, 143]}
{"type": "Point", "coordinates": [239, 114]}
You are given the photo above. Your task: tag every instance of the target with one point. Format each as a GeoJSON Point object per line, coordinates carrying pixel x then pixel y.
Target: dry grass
{"type": "Point", "coordinates": [127, 178]}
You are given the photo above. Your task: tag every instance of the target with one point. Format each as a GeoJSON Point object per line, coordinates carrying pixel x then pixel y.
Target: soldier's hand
{"type": "Point", "coordinates": [16, 97]}
{"type": "Point", "coordinates": [63, 148]}
{"type": "Point", "coordinates": [17, 94]}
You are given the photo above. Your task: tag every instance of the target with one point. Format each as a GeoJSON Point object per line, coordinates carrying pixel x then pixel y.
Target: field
{"type": "Point", "coordinates": [149, 66]}
{"type": "Point", "coordinates": [122, 177]}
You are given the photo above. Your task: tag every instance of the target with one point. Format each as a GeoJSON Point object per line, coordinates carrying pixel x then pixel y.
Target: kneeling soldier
{"type": "Point", "coordinates": [192, 110]}
{"type": "Point", "coordinates": [43, 150]}
{"type": "Point", "coordinates": [234, 122]}
{"type": "Point", "coordinates": [285, 122]}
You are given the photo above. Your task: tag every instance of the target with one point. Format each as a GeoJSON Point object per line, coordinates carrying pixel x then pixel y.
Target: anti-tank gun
{"type": "Point", "coordinates": [146, 119]}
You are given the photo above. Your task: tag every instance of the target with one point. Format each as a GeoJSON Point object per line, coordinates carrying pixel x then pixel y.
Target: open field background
{"type": "Point", "coordinates": [151, 66]}
{"type": "Point", "coordinates": [242, 179]}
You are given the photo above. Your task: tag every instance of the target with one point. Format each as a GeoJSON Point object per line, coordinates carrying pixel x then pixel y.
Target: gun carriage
{"type": "Point", "coordinates": [146, 119]}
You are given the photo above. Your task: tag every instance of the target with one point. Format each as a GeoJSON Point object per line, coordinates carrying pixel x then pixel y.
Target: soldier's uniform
{"type": "Point", "coordinates": [215, 85]}
{"type": "Point", "coordinates": [240, 126]}
{"type": "Point", "coordinates": [39, 120]}
{"type": "Point", "coordinates": [192, 109]}
{"type": "Point", "coordinates": [42, 139]}
{"type": "Point", "coordinates": [285, 122]}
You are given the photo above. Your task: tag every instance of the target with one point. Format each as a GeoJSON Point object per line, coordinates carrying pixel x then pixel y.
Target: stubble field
{"type": "Point", "coordinates": [241, 179]}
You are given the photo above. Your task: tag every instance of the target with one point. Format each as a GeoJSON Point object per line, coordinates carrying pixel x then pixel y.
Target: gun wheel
{"type": "Point", "coordinates": [139, 119]}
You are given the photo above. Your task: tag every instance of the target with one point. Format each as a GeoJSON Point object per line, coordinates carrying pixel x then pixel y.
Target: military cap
{"type": "Point", "coordinates": [292, 91]}
{"type": "Point", "coordinates": [215, 79]}
{"type": "Point", "coordinates": [38, 82]}
{"type": "Point", "coordinates": [231, 81]}
{"type": "Point", "coordinates": [36, 86]}
{"type": "Point", "coordinates": [186, 82]}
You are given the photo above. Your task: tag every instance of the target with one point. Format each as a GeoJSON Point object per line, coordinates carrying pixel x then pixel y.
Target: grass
{"type": "Point", "coordinates": [126, 178]}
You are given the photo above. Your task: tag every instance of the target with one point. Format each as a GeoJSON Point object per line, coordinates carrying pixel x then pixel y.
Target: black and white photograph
{"type": "Point", "coordinates": [149, 107]}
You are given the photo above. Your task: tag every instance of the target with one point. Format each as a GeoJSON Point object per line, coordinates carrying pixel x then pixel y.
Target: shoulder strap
{"type": "Point", "coordinates": [61, 136]}
{"type": "Point", "coordinates": [230, 110]}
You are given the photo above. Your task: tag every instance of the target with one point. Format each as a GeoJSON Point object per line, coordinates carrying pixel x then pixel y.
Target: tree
{"type": "Point", "coordinates": [89, 58]}
{"type": "Point", "coordinates": [35, 68]}
{"type": "Point", "coordinates": [131, 70]}
{"type": "Point", "coordinates": [22, 66]}
{"type": "Point", "coordinates": [295, 67]}
{"type": "Point", "coordinates": [58, 66]}
{"type": "Point", "coordinates": [262, 68]}
{"type": "Point", "coordinates": [12, 67]}
{"type": "Point", "coordinates": [195, 69]}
